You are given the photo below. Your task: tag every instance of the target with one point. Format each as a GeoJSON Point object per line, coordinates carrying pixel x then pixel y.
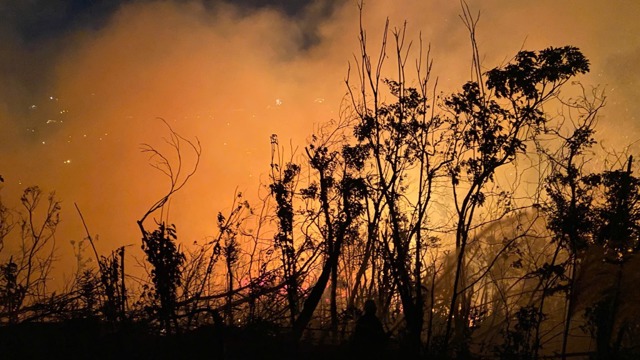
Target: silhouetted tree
{"type": "Point", "coordinates": [24, 276]}
{"type": "Point", "coordinates": [493, 118]}
{"type": "Point", "coordinates": [616, 232]}
{"type": "Point", "coordinates": [339, 192]}
{"type": "Point", "coordinates": [569, 207]}
{"type": "Point", "coordinates": [159, 245]}
{"type": "Point", "coordinates": [282, 186]}
{"type": "Point", "coordinates": [403, 140]}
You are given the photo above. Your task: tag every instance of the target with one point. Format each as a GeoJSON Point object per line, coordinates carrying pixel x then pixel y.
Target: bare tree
{"type": "Point", "coordinates": [25, 274]}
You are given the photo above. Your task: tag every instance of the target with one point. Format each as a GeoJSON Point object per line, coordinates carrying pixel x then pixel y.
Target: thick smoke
{"type": "Point", "coordinates": [76, 104]}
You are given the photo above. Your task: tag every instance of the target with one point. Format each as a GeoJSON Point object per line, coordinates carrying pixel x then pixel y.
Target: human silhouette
{"type": "Point", "coordinates": [369, 338]}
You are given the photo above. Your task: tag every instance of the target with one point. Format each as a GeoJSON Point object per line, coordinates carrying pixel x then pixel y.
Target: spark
{"type": "Point", "coordinates": [278, 102]}
{"type": "Point", "coordinates": [68, 161]}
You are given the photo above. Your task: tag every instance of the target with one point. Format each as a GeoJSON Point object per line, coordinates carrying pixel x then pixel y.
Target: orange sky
{"type": "Point", "coordinates": [233, 78]}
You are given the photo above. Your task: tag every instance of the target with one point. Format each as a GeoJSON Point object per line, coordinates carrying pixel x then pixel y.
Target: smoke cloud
{"type": "Point", "coordinates": [76, 104]}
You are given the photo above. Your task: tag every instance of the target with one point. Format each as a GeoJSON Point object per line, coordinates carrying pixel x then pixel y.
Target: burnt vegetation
{"type": "Point", "coordinates": [477, 221]}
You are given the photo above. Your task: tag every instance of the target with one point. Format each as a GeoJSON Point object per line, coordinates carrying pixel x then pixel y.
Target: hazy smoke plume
{"type": "Point", "coordinates": [76, 104]}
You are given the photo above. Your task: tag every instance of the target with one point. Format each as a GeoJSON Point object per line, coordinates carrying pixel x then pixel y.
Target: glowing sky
{"type": "Point", "coordinates": [81, 88]}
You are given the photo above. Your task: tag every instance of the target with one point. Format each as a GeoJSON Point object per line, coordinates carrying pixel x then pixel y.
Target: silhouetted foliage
{"type": "Point", "coordinates": [167, 261]}
{"type": "Point", "coordinates": [112, 280]}
{"type": "Point", "coordinates": [283, 184]}
{"type": "Point", "coordinates": [519, 341]}
{"type": "Point", "coordinates": [474, 220]}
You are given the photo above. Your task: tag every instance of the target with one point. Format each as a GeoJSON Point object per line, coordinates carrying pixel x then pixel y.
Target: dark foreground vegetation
{"type": "Point", "coordinates": [483, 223]}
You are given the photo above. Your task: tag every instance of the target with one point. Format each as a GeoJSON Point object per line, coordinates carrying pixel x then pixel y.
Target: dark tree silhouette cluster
{"type": "Point", "coordinates": [415, 225]}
